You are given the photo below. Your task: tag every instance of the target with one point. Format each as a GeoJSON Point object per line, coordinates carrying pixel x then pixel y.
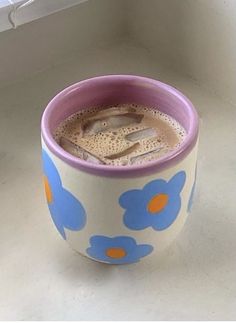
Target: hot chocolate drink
{"type": "Point", "coordinates": [125, 134]}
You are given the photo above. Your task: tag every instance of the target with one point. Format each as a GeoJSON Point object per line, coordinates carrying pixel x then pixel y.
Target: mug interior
{"type": "Point", "coordinates": [117, 89]}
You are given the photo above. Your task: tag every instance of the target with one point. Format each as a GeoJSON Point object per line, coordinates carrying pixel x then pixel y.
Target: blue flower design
{"type": "Point", "coordinates": [66, 210]}
{"type": "Point", "coordinates": [190, 202]}
{"type": "Point", "coordinates": [117, 250]}
{"type": "Point", "coordinates": [156, 205]}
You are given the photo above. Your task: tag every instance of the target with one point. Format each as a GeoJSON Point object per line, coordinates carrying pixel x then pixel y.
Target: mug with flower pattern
{"type": "Point", "coordinates": [126, 214]}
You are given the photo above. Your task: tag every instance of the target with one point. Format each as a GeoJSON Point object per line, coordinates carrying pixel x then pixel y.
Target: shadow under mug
{"type": "Point", "coordinates": [122, 214]}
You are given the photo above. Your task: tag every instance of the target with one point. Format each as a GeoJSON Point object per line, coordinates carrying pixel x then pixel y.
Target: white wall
{"type": "Point", "coordinates": [195, 37]}
{"type": "Point", "coordinates": [46, 42]}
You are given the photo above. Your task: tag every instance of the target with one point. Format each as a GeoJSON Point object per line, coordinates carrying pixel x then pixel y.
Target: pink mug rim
{"type": "Point", "coordinates": [166, 161]}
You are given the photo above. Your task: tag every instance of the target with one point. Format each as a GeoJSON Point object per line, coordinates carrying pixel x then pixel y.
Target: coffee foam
{"type": "Point", "coordinates": [170, 134]}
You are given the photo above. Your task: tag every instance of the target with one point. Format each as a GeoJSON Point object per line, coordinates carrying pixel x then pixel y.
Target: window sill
{"type": "Point", "coordinates": [31, 12]}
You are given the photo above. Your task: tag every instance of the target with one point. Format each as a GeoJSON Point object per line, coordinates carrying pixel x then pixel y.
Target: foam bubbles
{"type": "Point", "coordinates": [170, 134]}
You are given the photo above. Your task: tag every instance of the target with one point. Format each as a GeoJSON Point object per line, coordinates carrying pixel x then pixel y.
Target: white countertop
{"type": "Point", "coordinates": [41, 278]}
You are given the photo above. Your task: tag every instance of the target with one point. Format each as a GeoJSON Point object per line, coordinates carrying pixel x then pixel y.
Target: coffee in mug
{"type": "Point", "coordinates": [126, 134]}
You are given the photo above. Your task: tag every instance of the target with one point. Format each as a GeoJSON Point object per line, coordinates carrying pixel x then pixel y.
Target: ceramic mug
{"type": "Point", "coordinates": [119, 215]}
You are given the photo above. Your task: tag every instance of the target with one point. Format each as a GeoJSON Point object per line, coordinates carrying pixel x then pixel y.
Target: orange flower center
{"type": "Point", "coordinates": [116, 253]}
{"type": "Point", "coordinates": [48, 190]}
{"type": "Point", "coordinates": [157, 203]}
